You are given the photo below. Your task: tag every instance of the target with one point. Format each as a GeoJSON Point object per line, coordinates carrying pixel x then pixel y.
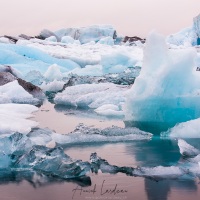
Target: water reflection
{"type": "Point", "coordinates": [152, 127]}
{"type": "Point", "coordinates": [37, 180]}
{"type": "Point", "coordinates": [161, 152]}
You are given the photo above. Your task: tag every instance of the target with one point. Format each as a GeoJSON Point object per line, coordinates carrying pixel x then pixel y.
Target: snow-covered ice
{"type": "Point", "coordinates": [13, 118]}
{"type": "Point", "coordinates": [93, 96]}
{"type": "Point", "coordinates": [85, 134]}
{"type": "Point", "coordinates": [14, 93]}
{"type": "Point", "coordinates": [189, 129]}
{"type": "Point", "coordinates": [186, 149]}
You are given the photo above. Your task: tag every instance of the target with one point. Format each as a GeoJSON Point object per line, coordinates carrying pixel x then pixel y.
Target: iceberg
{"type": "Point", "coordinates": [92, 95]}
{"type": "Point", "coordinates": [24, 59]}
{"type": "Point", "coordinates": [186, 149]}
{"type": "Point", "coordinates": [53, 86]}
{"type": "Point", "coordinates": [18, 153]}
{"type": "Point", "coordinates": [155, 173]}
{"type": "Point", "coordinates": [34, 77]}
{"type": "Point", "coordinates": [88, 34]}
{"type": "Point", "coordinates": [14, 93]}
{"type": "Point", "coordinates": [107, 41]}
{"type": "Point", "coordinates": [53, 73]}
{"type": "Point", "coordinates": [187, 37]}
{"type": "Point", "coordinates": [68, 40]}
{"type": "Point", "coordinates": [166, 90]}
{"type": "Point", "coordinates": [196, 25]}
{"type": "Point", "coordinates": [13, 118]}
{"type": "Point", "coordinates": [51, 39]}
{"type": "Point", "coordinates": [189, 129]}
{"type": "Point", "coordinates": [118, 61]}
{"type": "Point", "coordinates": [85, 134]}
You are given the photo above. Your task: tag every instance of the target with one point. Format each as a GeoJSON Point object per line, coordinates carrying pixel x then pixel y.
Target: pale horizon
{"type": "Point", "coordinates": [135, 18]}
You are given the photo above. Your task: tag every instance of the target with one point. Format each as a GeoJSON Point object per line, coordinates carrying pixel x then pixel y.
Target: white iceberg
{"type": "Point", "coordinates": [186, 149]}
{"type": "Point", "coordinates": [14, 93]}
{"type": "Point", "coordinates": [189, 129]}
{"type": "Point", "coordinates": [51, 39]}
{"type": "Point", "coordinates": [53, 73]}
{"type": "Point", "coordinates": [93, 95]}
{"type": "Point", "coordinates": [53, 86]}
{"type": "Point", "coordinates": [88, 34]}
{"type": "Point", "coordinates": [13, 118]}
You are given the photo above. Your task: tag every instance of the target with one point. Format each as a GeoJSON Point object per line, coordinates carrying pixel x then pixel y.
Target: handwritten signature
{"type": "Point", "coordinates": [103, 190]}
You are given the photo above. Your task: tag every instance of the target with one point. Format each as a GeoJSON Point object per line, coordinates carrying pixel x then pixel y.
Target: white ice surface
{"type": "Point", "coordinates": [14, 93]}
{"type": "Point", "coordinates": [93, 95]}
{"type": "Point", "coordinates": [13, 118]}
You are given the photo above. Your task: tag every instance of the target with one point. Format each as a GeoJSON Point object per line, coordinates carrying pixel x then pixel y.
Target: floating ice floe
{"type": "Point", "coordinates": [189, 129]}
{"type": "Point", "coordinates": [156, 173]}
{"type": "Point", "coordinates": [85, 134]}
{"type": "Point", "coordinates": [53, 86]}
{"type": "Point", "coordinates": [13, 118]}
{"type": "Point", "coordinates": [93, 95]}
{"type": "Point", "coordinates": [186, 149]}
{"type": "Point", "coordinates": [17, 152]}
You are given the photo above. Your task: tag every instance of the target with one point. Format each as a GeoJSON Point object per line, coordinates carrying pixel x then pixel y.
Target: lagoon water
{"type": "Point", "coordinates": [146, 153]}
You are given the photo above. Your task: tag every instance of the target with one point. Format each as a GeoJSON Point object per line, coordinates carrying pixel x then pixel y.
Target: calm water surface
{"type": "Point", "coordinates": [136, 153]}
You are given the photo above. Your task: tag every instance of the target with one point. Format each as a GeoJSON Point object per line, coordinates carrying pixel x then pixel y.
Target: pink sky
{"type": "Point", "coordinates": [129, 17]}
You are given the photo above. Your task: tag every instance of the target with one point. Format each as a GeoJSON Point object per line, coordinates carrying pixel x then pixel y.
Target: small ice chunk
{"type": "Point", "coordinates": [159, 172]}
{"type": "Point", "coordinates": [109, 110]}
{"type": "Point", "coordinates": [53, 73]}
{"type": "Point", "coordinates": [34, 77]}
{"type": "Point", "coordinates": [107, 41]}
{"type": "Point", "coordinates": [67, 40]}
{"type": "Point", "coordinates": [40, 136]}
{"type": "Point", "coordinates": [117, 61]}
{"type": "Point", "coordinates": [189, 129]}
{"type": "Point", "coordinates": [186, 149]}
{"type": "Point", "coordinates": [51, 39]}
{"type": "Point", "coordinates": [53, 86]}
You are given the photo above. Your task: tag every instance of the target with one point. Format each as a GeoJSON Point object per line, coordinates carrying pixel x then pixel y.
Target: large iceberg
{"type": "Point", "coordinates": [166, 91]}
